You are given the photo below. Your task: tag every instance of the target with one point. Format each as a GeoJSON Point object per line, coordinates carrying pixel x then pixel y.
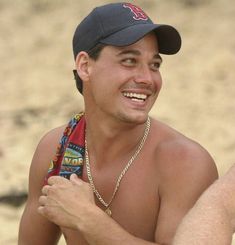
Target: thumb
{"type": "Point", "coordinates": [75, 180]}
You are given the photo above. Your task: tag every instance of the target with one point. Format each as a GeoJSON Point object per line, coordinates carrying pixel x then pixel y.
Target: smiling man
{"type": "Point", "coordinates": [140, 177]}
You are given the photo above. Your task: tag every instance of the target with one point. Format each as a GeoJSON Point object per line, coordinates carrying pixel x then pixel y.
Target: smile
{"type": "Point", "coordinates": [135, 96]}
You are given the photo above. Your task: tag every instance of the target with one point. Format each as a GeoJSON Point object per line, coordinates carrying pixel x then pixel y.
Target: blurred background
{"type": "Point", "coordinates": [38, 91]}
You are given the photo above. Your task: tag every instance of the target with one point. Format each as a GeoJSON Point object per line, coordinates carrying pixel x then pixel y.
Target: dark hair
{"type": "Point", "coordinates": [94, 54]}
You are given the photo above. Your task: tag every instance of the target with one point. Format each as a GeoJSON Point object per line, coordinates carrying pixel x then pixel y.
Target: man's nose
{"type": "Point", "coordinates": [143, 75]}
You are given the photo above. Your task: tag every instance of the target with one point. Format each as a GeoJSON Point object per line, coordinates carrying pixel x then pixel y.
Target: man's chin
{"type": "Point", "coordinates": [135, 118]}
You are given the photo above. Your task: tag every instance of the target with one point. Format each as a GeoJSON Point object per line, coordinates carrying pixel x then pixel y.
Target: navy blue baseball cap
{"type": "Point", "coordinates": [122, 24]}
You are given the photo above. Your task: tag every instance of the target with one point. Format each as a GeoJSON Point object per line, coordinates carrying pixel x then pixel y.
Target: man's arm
{"type": "Point", "coordinates": [212, 220]}
{"type": "Point", "coordinates": [35, 229]}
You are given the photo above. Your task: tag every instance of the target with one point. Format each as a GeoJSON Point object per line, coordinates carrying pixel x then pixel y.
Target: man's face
{"type": "Point", "coordinates": [124, 82]}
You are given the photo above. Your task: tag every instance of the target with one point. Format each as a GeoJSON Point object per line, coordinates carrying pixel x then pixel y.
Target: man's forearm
{"type": "Point", "coordinates": [102, 230]}
{"type": "Point", "coordinates": [207, 223]}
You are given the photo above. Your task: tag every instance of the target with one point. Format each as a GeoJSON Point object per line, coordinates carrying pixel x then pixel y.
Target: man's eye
{"type": "Point", "coordinates": [129, 61]}
{"type": "Point", "coordinates": [156, 65]}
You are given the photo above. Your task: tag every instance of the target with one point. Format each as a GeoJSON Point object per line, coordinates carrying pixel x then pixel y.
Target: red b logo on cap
{"type": "Point", "coordinates": [139, 14]}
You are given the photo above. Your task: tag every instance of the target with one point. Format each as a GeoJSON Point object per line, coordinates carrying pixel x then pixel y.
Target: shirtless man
{"type": "Point", "coordinates": [140, 176]}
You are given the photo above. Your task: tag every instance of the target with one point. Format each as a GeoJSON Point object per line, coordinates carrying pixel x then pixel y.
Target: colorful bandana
{"type": "Point", "coordinates": [70, 151]}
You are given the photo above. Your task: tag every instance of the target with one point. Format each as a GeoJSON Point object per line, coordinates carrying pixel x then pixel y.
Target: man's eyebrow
{"type": "Point", "coordinates": [129, 51]}
{"type": "Point", "coordinates": [157, 56]}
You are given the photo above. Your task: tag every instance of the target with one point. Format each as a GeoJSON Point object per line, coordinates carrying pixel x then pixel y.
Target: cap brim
{"type": "Point", "coordinates": [169, 40]}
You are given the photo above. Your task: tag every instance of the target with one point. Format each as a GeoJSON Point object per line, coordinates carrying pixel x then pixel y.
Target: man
{"type": "Point", "coordinates": [140, 176]}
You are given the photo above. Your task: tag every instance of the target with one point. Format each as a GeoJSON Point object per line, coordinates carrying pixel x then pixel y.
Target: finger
{"type": "Point", "coordinates": [57, 180]}
{"type": "Point", "coordinates": [75, 180]}
{"type": "Point", "coordinates": [48, 190]}
{"type": "Point", "coordinates": [45, 189]}
{"type": "Point", "coordinates": [41, 210]}
{"type": "Point", "coordinates": [42, 200]}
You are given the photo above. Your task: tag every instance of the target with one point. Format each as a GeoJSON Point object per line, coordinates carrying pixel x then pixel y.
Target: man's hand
{"type": "Point", "coordinates": [66, 202]}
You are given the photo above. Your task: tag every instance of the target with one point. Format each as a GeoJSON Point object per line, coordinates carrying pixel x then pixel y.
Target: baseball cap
{"type": "Point", "coordinates": [122, 24]}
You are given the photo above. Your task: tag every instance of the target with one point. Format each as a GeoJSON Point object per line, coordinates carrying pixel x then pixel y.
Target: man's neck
{"type": "Point", "coordinates": [109, 140]}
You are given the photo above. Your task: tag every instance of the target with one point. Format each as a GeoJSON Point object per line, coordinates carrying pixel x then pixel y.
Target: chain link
{"type": "Point", "coordinates": [88, 167]}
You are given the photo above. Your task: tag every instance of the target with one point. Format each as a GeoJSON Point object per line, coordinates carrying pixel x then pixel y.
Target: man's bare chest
{"type": "Point", "coordinates": [135, 216]}
{"type": "Point", "coordinates": [135, 205]}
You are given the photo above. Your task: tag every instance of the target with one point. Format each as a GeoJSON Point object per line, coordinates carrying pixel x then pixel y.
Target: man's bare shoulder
{"type": "Point", "coordinates": [49, 142]}
{"type": "Point", "coordinates": [45, 151]}
{"type": "Point", "coordinates": [178, 154]}
{"type": "Point", "coordinates": [184, 170]}
{"type": "Point", "coordinates": [52, 137]}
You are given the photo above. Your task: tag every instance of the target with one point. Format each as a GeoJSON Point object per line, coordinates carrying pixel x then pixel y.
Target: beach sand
{"type": "Point", "coordinates": [38, 91]}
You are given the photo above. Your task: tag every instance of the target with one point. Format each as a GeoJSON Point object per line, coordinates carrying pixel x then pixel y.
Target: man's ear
{"type": "Point", "coordinates": [82, 65]}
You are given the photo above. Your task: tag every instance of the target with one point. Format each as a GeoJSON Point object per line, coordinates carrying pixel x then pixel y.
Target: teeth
{"type": "Point", "coordinates": [135, 96]}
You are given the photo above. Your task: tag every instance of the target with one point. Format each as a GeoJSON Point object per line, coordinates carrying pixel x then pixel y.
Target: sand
{"type": "Point", "coordinates": [38, 92]}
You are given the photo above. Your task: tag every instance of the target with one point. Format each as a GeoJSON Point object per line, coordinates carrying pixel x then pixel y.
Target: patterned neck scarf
{"type": "Point", "coordinates": [69, 155]}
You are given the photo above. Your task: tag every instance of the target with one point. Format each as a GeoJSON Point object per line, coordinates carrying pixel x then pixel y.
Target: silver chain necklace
{"type": "Point", "coordinates": [88, 168]}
